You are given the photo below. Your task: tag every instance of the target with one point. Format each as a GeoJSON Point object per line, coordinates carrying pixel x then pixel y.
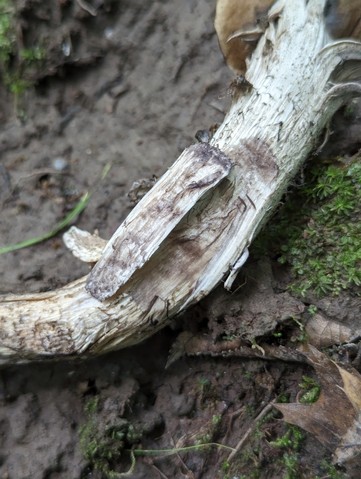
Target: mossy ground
{"type": "Point", "coordinates": [17, 61]}
{"type": "Point", "coordinates": [102, 442]}
{"type": "Point", "coordinates": [318, 230]}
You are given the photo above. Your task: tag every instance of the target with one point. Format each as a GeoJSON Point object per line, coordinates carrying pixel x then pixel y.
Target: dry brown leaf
{"type": "Point", "coordinates": [343, 18]}
{"type": "Point", "coordinates": [240, 23]}
{"type": "Point", "coordinates": [335, 419]}
{"type": "Point", "coordinates": [234, 18]}
{"type": "Point", "coordinates": [323, 332]}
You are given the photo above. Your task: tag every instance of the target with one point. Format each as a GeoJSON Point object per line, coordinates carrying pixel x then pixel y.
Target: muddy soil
{"type": "Point", "coordinates": [128, 84]}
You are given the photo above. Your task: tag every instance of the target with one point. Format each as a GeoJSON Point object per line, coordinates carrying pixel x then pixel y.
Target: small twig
{"type": "Point", "coordinates": [327, 135]}
{"type": "Point", "coordinates": [250, 430]}
{"type": "Point", "coordinates": [232, 417]}
{"type": "Point", "coordinates": [163, 476]}
{"type": "Point", "coordinates": [188, 471]}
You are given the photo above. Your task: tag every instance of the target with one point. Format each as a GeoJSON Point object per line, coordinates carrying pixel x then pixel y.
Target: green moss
{"type": "Point", "coordinates": [216, 420]}
{"type": "Point", "coordinates": [311, 390]}
{"type": "Point", "coordinates": [292, 439]}
{"type": "Point", "coordinates": [330, 471]}
{"type": "Point", "coordinates": [103, 444]}
{"type": "Point", "coordinates": [91, 406]}
{"type": "Point", "coordinates": [7, 32]}
{"type": "Point", "coordinates": [33, 54]}
{"type": "Point", "coordinates": [291, 463]}
{"type": "Point", "coordinates": [16, 62]}
{"type": "Point", "coordinates": [283, 398]}
{"type": "Point", "coordinates": [318, 231]}
{"type": "Point", "coordinates": [8, 44]}
{"type": "Point", "coordinates": [291, 442]}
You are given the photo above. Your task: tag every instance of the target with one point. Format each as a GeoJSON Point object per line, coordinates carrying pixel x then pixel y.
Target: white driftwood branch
{"type": "Point", "coordinates": [192, 230]}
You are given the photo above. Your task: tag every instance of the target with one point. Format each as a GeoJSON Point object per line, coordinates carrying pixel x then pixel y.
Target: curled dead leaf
{"type": "Point", "coordinates": [335, 419]}
{"type": "Point", "coordinates": [239, 24]}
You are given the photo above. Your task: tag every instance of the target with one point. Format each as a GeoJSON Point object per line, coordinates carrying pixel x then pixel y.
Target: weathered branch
{"type": "Point", "coordinates": [192, 230]}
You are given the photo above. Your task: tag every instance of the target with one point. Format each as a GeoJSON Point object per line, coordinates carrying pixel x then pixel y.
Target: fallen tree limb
{"type": "Point", "coordinates": [185, 237]}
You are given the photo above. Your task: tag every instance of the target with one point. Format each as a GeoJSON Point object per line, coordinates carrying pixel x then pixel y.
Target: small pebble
{"type": "Point", "coordinates": [109, 33]}
{"type": "Point", "coordinates": [59, 163]}
{"type": "Point", "coordinates": [66, 48]}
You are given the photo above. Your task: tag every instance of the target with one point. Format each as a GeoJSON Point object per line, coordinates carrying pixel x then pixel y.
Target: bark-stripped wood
{"type": "Point", "coordinates": [269, 131]}
{"type": "Point", "coordinates": [199, 169]}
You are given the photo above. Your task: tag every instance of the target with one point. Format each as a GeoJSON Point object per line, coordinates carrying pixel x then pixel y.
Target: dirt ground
{"type": "Point", "coordinates": [129, 83]}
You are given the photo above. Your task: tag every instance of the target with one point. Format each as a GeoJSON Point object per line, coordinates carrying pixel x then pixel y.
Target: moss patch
{"type": "Point", "coordinates": [318, 230]}
{"type": "Point", "coordinates": [16, 61]}
{"type": "Point", "coordinates": [103, 441]}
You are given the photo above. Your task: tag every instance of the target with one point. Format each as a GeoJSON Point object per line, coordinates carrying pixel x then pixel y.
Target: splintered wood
{"type": "Point", "coordinates": [199, 168]}
{"type": "Point", "coordinates": [192, 230]}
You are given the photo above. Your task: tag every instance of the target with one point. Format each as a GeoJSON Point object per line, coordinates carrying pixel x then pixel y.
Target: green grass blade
{"type": "Point", "coordinates": [79, 207]}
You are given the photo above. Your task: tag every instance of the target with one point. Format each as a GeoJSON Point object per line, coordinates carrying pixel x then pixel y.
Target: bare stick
{"type": "Point", "coordinates": [249, 431]}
